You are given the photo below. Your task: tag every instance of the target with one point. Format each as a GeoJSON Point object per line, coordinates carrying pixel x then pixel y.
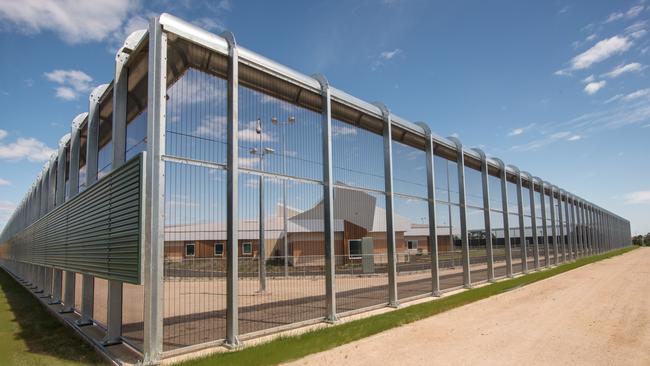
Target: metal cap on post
{"type": "Point", "coordinates": [460, 161]}
{"type": "Point", "coordinates": [431, 198]}
{"type": "Point", "coordinates": [393, 300]}
{"type": "Point", "coordinates": [486, 215]}
{"type": "Point", "coordinates": [506, 223]}
{"type": "Point", "coordinates": [328, 199]}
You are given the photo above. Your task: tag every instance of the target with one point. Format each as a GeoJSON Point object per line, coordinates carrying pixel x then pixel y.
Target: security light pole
{"type": "Point", "coordinates": [262, 247]}
{"type": "Point", "coordinates": [291, 120]}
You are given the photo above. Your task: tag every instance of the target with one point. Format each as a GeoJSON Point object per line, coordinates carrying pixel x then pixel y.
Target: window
{"type": "Point", "coordinates": [412, 244]}
{"type": "Point", "coordinates": [355, 248]}
{"type": "Point", "coordinates": [218, 249]}
{"type": "Point", "coordinates": [247, 248]}
{"type": "Point", "coordinates": [189, 249]}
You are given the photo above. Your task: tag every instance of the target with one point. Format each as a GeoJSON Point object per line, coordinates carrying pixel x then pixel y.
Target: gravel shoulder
{"type": "Point", "coordinates": [598, 314]}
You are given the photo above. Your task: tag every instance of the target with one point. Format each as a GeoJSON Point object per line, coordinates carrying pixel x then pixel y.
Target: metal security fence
{"type": "Point", "coordinates": [211, 195]}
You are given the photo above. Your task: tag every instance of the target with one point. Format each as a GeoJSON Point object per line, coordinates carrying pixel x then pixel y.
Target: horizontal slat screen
{"type": "Point", "coordinates": [98, 232]}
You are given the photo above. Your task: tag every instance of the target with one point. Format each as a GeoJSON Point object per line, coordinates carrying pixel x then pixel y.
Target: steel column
{"type": "Point", "coordinates": [73, 182]}
{"type": "Point", "coordinates": [118, 143]}
{"type": "Point", "coordinates": [533, 220]}
{"type": "Point", "coordinates": [522, 228]}
{"type": "Point", "coordinates": [92, 152]}
{"type": "Point", "coordinates": [393, 299]}
{"type": "Point", "coordinates": [232, 313]}
{"type": "Point", "coordinates": [574, 226]}
{"type": "Point", "coordinates": [155, 195]}
{"type": "Point", "coordinates": [506, 222]}
{"type": "Point", "coordinates": [431, 197]}
{"type": "Point", "coordinates": [486, 215]}
{"type": "Point", "coordinates": [544, 226]}
{"type": "Point", "coordinates": [553, 224]}
{"type": "Point", "coordinates": [57, 286]}
{"type": "Point", "coordinates": [460, 162]}
{"type": "Point", "coordinates": [328, 200]}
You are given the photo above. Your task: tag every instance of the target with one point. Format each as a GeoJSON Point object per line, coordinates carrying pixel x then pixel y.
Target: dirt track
{"type": "Point", "coordinates": [595, 315]}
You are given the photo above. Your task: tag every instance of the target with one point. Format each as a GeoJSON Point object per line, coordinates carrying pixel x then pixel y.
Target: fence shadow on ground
{"type": "Point", "coordinates": [41, 333]}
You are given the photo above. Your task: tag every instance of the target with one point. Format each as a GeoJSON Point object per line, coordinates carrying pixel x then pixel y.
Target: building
{"type": "Point", "coordinates": [196, 136]}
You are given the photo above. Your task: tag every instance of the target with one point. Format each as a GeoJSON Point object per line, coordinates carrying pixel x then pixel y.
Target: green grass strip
{"type": "Point", "coordinates": [284, 349]}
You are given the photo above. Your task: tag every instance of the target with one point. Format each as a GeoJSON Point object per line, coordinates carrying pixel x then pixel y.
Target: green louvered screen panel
{"type": "Point", "coordinates": [98, 232]}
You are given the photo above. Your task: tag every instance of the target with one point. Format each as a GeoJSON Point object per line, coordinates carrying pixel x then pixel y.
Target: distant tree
{"type": "Point", "coordinates": [637, 240]}
{"type": "Point", "coordinates": [646, 240]}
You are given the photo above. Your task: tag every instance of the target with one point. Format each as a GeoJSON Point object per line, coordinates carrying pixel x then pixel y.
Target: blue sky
{"type": "Point", "coordinates": [558, 88]}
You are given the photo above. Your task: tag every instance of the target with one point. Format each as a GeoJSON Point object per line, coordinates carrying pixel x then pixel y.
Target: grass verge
{"type": "Point", "coordinates": [29, 335]}
{"type": "Point", "coordinates": [285, 349]}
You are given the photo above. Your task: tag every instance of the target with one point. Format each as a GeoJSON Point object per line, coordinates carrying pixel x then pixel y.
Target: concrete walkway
{"type": "Point", "coordinates": [595, 315]}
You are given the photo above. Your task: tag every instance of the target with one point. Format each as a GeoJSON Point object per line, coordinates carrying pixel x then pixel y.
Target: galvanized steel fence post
{"type": "Point", "coordinates": [431, 197]}
{"type": "Point", "coordinates": [153, 251]}
{"type": "Point", "coordinates": [393, 299]}
{"type": "Point", "coordinates": [232, 303]}
{"type": "Point", "coordinates": [460, 162]}
{"type": "Point", "coordinates": [328, 200]}
{"type": "Point", "coordinates": [506, 223]}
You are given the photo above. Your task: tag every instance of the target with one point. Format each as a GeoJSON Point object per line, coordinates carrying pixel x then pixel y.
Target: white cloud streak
{"type": "Point", "coordinates": [622, 69]}
{"type": "Point", "coordinates": [638, 197]}
{"type": "Point", "coordinates": [631, 13]}
{"type": "Point", "coordinates": [601, 51]}
{"type": "Point", "coordinates": [4, 182]}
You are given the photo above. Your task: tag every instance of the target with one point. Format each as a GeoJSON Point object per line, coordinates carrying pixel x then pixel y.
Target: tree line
{"type": "Point", "coordinates": [641, 240]}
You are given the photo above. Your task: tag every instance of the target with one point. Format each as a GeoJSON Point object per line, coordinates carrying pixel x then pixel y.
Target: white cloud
{"type": "Point", "coordinates": [574, 138]}
{"type": "Point", "coordinates": [594, 87]}
{"type": "Point", "coordinates": [4, 182]}
{"type": "Point", "coordinates": [71, 83]}
{"type": "Point", "coordinates": [65, 93]}
{"type": "Point", "coordinates": [516, 131]}
{"type": "Point", "coordinates": [601, 51]}
{"type": "Point", "coordinates": [638, 197]}
{"type": "Point", "coordinates": [591, 37]}
{"type": "Point", "coordinates": [631, 13]}
{"type": "Point", "coordinates": [622, 69]}
{"type": "Point", "coordinates": [74, 21]}
{"type": "Point", "coordinates": [589, 79]}
{"type": "Point", "coordinates": [29, 149]}
{"type": "Point", "coordinates": [387, 55]}
{"type": "Point", "coordinates": [3, 134]}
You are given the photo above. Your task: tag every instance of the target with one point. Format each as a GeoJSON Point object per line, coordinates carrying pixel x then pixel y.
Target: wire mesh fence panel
{"type": "Point", "coordinates": [411, 221]}
{"type": "Point", "coordinates": [194, 265]}
{"type": "Point", "coordinates": [477, 235]}
{"type": "Point", "coordinates": [448, 223]}
{"type": "Point", "coordinates": [360, 249]}
{"type": "Point", "coordinates": [498, 244]}
{"type": "Point", "coordinates": [280, 284]}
